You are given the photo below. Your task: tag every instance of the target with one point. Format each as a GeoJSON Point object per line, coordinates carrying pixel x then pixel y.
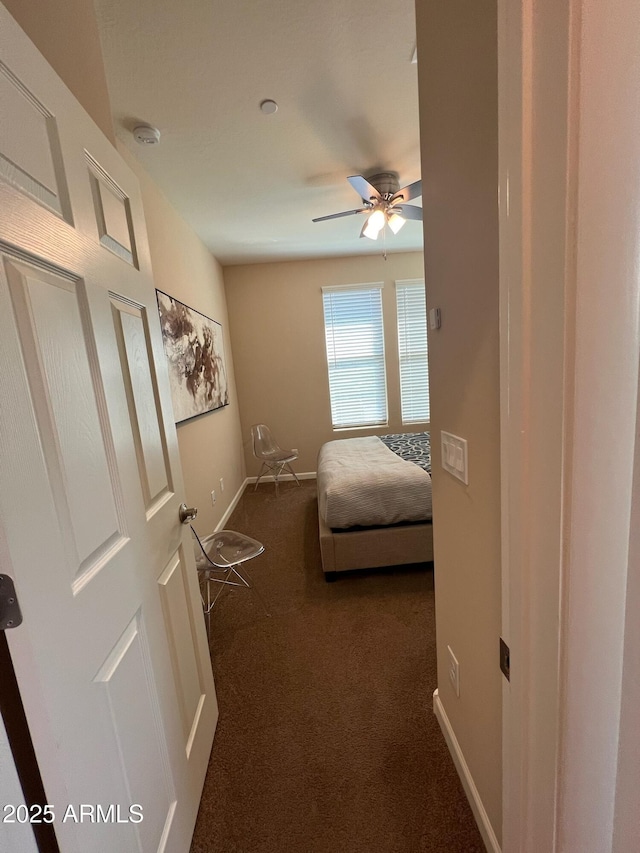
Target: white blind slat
{"type": "Point", "coordinates": [413, 351]}
{"type": "Point", "coordinates": [355, 355]}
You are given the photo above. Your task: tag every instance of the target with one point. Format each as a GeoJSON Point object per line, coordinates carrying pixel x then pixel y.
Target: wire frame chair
{"type": "Point", "coordinates": [273, 457]}
{"type": "Point", "coordinates": [222, 554]}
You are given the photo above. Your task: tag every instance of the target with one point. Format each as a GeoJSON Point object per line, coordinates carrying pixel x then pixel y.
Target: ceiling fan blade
{"type": "Point", "coordinates": [413, 190]}
{"type": "Point", "coordinates": [365, 190]}
{"type": "Point", "coordinates": [338, 215]}
{"type": "Point", "coordinates": [408, 211]}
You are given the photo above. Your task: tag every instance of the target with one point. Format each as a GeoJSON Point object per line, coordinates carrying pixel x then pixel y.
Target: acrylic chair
{"type": "Point", "coordinates": [222, 553]}
{"type": "Point", "coordinates": [272, 456]}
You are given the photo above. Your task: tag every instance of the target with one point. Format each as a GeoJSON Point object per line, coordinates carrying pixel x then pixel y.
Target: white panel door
{"type": "Point", "coordinates": [111, 658]}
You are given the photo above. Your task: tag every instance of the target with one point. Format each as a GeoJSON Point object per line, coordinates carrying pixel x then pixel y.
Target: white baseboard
{"type": "Point", "coordinates": [234, 503]}
{"type": "Point", "coordinates": [479, 812]}
{"type": "Point", "coordinates": [269, 478]}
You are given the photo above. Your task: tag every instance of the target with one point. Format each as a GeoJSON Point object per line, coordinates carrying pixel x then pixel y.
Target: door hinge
{"type": "Point", "coordinates": [10, 615]}
{"type": "Point", "coordinates": [505, 662]}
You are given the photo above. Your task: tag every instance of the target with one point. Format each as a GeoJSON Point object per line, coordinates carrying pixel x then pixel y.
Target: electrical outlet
{"type": "Point", "coordinates": [294, 450]}
{"type": "Point", "coordinates": [222, 484]}
{"type": "Point", "coordinates": [454, 671]}
{"type": "Point", "coordinates": [213, 497]}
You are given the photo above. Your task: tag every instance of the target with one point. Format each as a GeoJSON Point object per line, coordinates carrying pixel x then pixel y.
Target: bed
{"type": "Point", "coordinates": [374, 502]}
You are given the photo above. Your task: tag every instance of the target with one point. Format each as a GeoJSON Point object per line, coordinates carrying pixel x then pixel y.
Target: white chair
{"type": "Point", "coordinates": [272, 456]}
{"type": "Point", "coordinates": [222, 553]}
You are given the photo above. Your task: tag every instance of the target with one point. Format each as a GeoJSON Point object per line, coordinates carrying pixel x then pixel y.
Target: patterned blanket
{"type": "Point", "coordinates": [411, 446]}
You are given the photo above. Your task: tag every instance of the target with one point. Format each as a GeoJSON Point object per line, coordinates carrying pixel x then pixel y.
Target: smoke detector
{"type": "Point", "coordinates": [269, 107]}
{"type": "Point", "coordinates": [144, 134]}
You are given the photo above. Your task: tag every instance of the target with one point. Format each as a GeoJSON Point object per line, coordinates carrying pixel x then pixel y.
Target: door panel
{"type": "Point", "coordinates": [142, 398]}
{"type": "Point", "coordinates": [174, 587]}
{"type": "Point", "coordinates": [76, 439]}
{"type": "Point", "coordinates": [139, 732]}
{"type": "Point", "coordinates": [30, 150]}
{"type": "Point", "coordinates": [112, 658]}
{"type": "Point", "coordinates": [113, 213]}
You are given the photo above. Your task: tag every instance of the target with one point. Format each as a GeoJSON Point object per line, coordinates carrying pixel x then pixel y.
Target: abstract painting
{"type": "Point", "coordinates": [195, 355]}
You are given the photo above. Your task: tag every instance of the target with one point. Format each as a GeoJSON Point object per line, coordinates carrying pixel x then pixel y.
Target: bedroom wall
{"type": "Point", "coordinates": [66, 34]}
{"type": "Point", "coordinates": [277, 333]}
{"type": "Point", "coordinates": [210, 445]}
{"type": "Point", "coordinates": [457, 73]}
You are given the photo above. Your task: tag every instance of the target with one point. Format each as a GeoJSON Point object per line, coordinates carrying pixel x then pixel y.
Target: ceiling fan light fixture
{"type": "Point", "coordinates": [384, 203]}
{"type": "Point", "coordinates": [396, 221]}
{"type": "Point", "coordinates": [375, 224]}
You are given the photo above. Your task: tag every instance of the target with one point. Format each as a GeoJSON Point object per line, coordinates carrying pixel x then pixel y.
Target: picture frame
{"type": "Point", "coordinates": [194, 348]}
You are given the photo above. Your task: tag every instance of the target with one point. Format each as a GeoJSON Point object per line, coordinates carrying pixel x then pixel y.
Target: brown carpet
{"type": "Point", "coordinates": [326, 741]}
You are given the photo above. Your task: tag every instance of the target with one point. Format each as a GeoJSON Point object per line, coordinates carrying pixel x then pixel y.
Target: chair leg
{"type": "Point", "coordinates": [207, 606]}
{"type": "Point", "coordinates": [277, 470]}
{"type": "Point", "coordinates": [208, 611]}
{"type": "Point", "coordinates": [293, 472]}
{"type": "Point", "coordinates": [252, 586]}
{"type": "Point", "coordinates": [262, 470]}
{"type": "Point", "coordinates": [222, 581]}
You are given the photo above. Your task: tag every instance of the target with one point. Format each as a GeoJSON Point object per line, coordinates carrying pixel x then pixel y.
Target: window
{"type": "Point", "coordinates": [412, 350]}
{"type": "Point", "coordinates": [355, 355]}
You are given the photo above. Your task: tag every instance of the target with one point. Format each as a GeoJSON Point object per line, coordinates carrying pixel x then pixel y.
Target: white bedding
{"type": "Point", "coordinates": [363, 483]}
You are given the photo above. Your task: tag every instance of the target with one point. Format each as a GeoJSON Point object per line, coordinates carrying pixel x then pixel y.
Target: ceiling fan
{"type": "Point", "coordinates": [384, 201]}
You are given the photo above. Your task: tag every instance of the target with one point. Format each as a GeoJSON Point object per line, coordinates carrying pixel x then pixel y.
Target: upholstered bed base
{"type": "Point", "coordinates": [373, 547]}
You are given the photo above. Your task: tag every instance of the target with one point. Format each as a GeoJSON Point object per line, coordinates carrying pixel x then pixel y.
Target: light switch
{"type": "Point", "coordinates": [454, 455]}
{"type": "Point", "coordinates": [434, 318]}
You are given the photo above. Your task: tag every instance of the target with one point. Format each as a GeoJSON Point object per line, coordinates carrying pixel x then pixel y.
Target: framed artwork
{"type": "Point", "coordinates": [195, 356]}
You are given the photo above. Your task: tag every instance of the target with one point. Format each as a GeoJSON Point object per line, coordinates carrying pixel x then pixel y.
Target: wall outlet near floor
{"type": "Point", "coordinates": [454, 671]}
{"type": "Point", "coordinates": [294, 450]}
{"type": "Point", "coordinates": [222, 484]}
{"type": "Point", "coordinates": [213, 497]}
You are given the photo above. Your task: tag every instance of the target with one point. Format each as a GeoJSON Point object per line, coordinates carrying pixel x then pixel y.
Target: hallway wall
{"type": "Point", "coordinates": [457, 78]}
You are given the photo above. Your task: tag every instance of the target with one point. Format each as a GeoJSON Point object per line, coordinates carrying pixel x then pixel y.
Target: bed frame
{"type": "Point", "coordinates": [368, 548]}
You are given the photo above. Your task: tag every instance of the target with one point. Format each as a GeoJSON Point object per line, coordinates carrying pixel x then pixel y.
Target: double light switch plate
{"type": "Point", "coordinates": [454, 456]}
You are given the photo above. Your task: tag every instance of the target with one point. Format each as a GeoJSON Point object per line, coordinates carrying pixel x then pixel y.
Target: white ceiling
{"type": "Point", "coordinates": [249, 184]}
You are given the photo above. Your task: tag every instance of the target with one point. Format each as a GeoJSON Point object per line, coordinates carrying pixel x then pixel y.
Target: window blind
{"type": "Point", "coordinates": [413, 351]}
{"type": "Point", "coordinates": [355, 355]}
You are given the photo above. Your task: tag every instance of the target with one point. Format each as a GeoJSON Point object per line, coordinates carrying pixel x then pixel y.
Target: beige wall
{"type": "Point", "coordinates": [277, 333]}
{"type": "Point", "coordinates": [66, 33]}
{"type": "Point", "coordinates": [210, 445]}
{"type": "Point", "coordinates": [458, 106]}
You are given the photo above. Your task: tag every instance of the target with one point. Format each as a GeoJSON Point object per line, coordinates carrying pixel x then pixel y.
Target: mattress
{"type": "Point", "coordinates": [362, 482]}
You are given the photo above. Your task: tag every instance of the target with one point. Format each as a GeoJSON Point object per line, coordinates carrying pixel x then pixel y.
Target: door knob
{"type": "Point", "coordinates": [187, 513]}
